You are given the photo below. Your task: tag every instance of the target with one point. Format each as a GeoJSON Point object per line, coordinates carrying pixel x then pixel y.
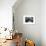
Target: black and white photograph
{"type": "Point", "coordinates": [28, 19]}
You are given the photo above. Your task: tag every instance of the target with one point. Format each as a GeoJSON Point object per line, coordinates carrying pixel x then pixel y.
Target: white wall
{"type": "Point", "coordinates": [43, 22]}
{"type": "Point", "coordinates": [37, 31]}
{"type": "Point", "coordinates": [6, 13]}
{"type": "Point", "coordinates": [29, 7]}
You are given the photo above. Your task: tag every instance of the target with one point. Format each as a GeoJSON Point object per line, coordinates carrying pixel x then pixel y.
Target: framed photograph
{"type": "Point", "coordinates": [28, 19]}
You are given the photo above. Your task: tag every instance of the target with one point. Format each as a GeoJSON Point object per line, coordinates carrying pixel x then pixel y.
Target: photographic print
{"type": "Point", "coordinates": [28, 19]}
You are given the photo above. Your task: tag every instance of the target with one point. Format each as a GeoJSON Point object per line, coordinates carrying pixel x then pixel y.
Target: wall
{"type": "Point", "coordinates": [6, 13]}
{"type": "Point", "coordinates": [43, 22]}
{"type": "Point", "coordinates": [29, 7]}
